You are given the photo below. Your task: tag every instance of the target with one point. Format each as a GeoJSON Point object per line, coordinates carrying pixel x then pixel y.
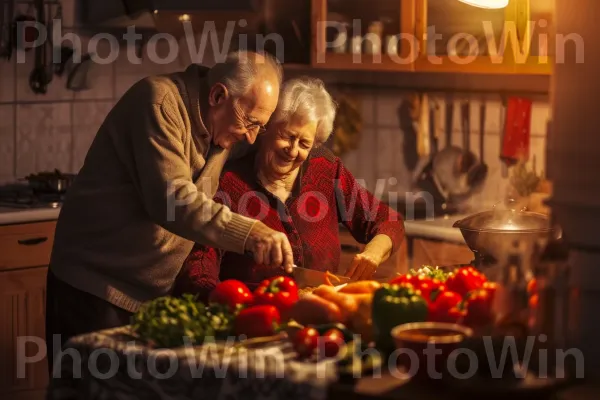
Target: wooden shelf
{"type": "Point", "coordinates": [364, 62]}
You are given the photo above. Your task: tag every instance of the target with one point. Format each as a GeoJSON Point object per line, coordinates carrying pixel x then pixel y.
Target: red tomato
{"type": "Point", "coordinates": [532, 286]}
{"type": "Point", "coordinates": [406, 278]}
{"type": "Point", "coordinates": [427, 286]}
{"type": "Point", "coordinates": [232, 293]}
{"type": "Point", "coordinates": [257, 321]}
{"type": "Point", "coordinates": [465, 280]}
{"type": "Point", "coordinates": [306, 341]}
{"type": "Point", "coordinates": [533, 301]}
{"type": "Point", "coordinates": [479, 308]}
{"type": "Point", "coordinates": [491, 288]}
{"type": "Point", "coordinates": [332, 341]}
{"type": "Point", "coordinates": [445, 308]}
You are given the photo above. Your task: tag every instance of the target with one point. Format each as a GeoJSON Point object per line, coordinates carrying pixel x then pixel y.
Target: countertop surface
{"type": "Point", "coordinates": [9, 215]}
{"type": "Point", "coordinates": [439, 228]}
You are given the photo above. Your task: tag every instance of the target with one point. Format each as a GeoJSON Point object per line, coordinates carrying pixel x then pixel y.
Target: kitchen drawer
{"type": "Point", "coordinates": [26, 245]}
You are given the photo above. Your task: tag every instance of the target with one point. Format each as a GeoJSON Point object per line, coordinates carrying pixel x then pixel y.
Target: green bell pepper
{"type": "Point", "coordinates": [393, 305]}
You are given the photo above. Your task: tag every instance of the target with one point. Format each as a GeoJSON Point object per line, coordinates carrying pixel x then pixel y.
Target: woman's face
{"type": "Point", "coordinates": [286, 146]}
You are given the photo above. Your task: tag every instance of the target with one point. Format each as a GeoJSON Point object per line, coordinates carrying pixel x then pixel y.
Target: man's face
{"type": "Point", "coordinates": [233, 120]}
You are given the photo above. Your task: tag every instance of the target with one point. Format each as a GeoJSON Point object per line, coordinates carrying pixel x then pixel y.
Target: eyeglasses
{"type": "Point", "coordinates": [250, 125]}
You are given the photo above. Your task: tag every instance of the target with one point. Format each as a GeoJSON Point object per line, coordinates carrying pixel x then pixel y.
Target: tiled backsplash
{"type": "Point", "coordinates": [43, 132]}
{"type": "Point", "coordinates": [381, 151]}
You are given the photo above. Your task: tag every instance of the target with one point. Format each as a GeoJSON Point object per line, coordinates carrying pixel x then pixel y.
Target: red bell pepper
{"type": "Point", "coordinates": [428, 287]}
{"type": "Point", "coordinates": [232, 293]}
{"type": "Point", "coordinates": [280, 291]}
{"type": "Point", "coordinates": [465, 280]}
{"type": "Point", "coordinates": [257, 321]}
{"type": "Point", "coordinates": [446, 308]}
{"type": "Point", "coordinates": [479, 308]}
{"type": "Point", "coordinates": [491, 288]}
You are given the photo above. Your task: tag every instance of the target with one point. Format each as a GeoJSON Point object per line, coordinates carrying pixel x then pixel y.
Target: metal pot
{"type": "Point", "coordinates": [50, 182]}
{"type": "Point", "coordinates": [492, 235]}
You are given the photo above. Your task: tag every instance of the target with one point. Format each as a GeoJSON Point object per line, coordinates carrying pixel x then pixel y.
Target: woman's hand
{"type": "Point", "coordinates": [363, 266]}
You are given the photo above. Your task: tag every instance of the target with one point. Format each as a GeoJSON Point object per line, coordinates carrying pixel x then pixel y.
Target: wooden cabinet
{"type": "Point", "coordinates": [23, 267]}
{"type": "Point", "coordinates": [434, 36]}
{"type": "Point", "coordinates": [336, 22]}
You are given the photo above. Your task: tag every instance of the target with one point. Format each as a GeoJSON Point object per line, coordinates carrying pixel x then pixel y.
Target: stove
{"type": "Point", "coordinates": [21, 196]}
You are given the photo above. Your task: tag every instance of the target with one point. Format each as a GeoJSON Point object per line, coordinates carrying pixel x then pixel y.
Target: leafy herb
{"type": "Point", "coordinates": [431, 272]}
{"type": "Point", "coordinates": [172, 321]}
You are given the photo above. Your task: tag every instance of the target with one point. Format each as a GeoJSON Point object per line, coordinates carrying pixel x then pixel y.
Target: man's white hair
{"type": "Point", "coordinates": [240, 70]}
{"type": "Point", "coordinates": [306, 99]}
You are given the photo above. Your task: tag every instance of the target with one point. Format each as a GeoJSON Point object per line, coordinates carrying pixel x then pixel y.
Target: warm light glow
{"type": "Point", "coordinates": [184, 17]}
{"type": "Point", "coordinates": [486, 3]}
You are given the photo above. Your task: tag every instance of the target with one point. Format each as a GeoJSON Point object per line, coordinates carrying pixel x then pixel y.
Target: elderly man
{"type": "Point", "coordinates": [144, 194]}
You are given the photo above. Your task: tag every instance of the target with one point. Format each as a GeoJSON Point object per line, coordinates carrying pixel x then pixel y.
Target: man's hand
{"type": "Point", "coordinates": [270, 247]}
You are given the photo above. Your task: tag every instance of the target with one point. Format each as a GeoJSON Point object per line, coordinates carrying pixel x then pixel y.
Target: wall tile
{"type": "Point", "coordinates": [366, 159]}
{"type": "Point", "coordinates": [540, 112]}
{"type": "Point", "coordinates": [390, 160]}
{"type": "Point", "coordinates": [44, 137]}
{"type": "Point", "coordinates": [7, 141]}
{"type": "Point", "coordinates": [367, 108]}
{"type": "Point", "coordinates": [101, 70]}
{"type": "Point", "coordinates": [131, 68]}
{"type": "Point", "coordinates": [386, 109]}
{"type": "Point", "coordinates": [7, 80]}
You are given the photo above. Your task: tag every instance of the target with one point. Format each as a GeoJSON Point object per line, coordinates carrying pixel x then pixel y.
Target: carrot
{"type": "Point", "coordinates": [362, 287]}
{"type": "Point", "coordinates": [346, 303]}
{"type": "Point", "coordinates": [329, 275]}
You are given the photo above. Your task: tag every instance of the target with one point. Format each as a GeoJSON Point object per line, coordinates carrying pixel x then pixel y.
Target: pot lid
{"type": "Point", "coordinates": [505, 220]}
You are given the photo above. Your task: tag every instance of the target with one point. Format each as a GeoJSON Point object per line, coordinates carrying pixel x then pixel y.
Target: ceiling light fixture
{"type": "Point", "coordinates": [492, 4]}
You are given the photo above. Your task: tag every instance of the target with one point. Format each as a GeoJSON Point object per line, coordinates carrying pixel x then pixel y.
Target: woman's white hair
{"type": "Point", "coordinates": [306, 99]}
{"type": "Point", "coordinates": [240, 70]}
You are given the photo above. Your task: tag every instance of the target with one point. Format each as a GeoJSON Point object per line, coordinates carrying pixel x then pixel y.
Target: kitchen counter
{"type": "Point", "coordinates": [439, 228]}
{"type": "Point", "coordinates": [9, 215]}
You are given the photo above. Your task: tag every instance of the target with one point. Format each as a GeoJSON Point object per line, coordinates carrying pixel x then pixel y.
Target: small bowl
{"type": "Point", "coordinates": [413, 339]}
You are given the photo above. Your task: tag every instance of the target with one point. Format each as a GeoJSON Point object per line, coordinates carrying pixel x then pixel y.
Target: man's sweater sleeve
{"type": "Point", "coordinates": [167, 189]}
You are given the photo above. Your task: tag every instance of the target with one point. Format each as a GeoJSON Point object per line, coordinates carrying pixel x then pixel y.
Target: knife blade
{"type": "Point", "coordinates": [309, 277]}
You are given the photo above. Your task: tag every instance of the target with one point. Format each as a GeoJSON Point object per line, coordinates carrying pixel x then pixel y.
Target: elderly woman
{"type": "Point", "coordinates": [297, 186]}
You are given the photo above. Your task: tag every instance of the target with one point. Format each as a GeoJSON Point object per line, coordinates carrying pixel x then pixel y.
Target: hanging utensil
{"type": "Point", "coordinates": [478, 173]}
{"type": "Point", "coordinates": [426, 180]}
{"type": "Point", "coordinates": [468, 159]}
{"type": "Point", "coordinates": [23, 29]}
{"type": "Point", "coordinates": [3, 35]}
{"type": "Point", "coordinates": [515, 146]}
{"type": "Point", "coordinates": [446, 162]}
{"type": "Point", "coordinates": [40, 77]}
{"type": "Point", "coordinates": [503, 162]}
{"type": "Point", "coordinates": [79, 77]}
{"type": "Point", "coordinates": [423, 141]}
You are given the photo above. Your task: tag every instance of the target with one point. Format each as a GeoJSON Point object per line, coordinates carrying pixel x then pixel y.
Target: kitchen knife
{"type": "Point", "coordinates": [309, 277]}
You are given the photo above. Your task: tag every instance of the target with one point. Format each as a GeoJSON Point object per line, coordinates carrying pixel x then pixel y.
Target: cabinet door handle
{"type": "Point", "coordinates": [33, 241]}
{"type": "Point", "coordinates": [349, 248]}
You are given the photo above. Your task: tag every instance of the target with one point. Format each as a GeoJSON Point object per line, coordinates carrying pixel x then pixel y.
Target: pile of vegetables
{"type": "Point", "coordinates": [324, 322]}
{"type": "Point", "coordinates": [462, 296]}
